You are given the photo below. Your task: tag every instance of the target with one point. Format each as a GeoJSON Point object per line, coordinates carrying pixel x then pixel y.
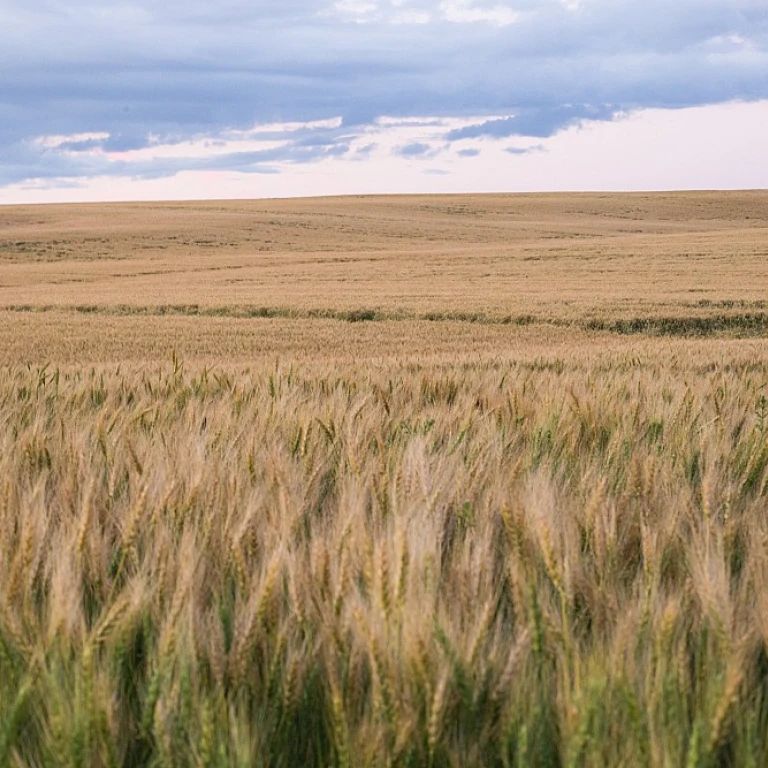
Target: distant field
{"type": "Point", "coordinates": [429, 481]}
{"type": "Point", "coordinates": [679, 264]}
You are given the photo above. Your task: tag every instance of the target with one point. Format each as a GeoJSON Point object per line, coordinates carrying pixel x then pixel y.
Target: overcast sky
{"type": "Point", "coordinates": [109, 99]}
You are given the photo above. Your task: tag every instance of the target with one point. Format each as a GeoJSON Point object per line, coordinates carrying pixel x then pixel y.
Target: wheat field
{"type": "Point", "coordinates": [429, 481]}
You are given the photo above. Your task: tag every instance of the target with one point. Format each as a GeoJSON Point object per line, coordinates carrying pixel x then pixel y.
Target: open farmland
{"type": "Point", "coordinates": [544, 257]}
{"type": "Point", "coordinates": [439, 481]}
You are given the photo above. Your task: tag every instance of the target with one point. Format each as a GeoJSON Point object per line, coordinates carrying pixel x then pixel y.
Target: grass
{"type": "Point", "coordinates": [414, 519]}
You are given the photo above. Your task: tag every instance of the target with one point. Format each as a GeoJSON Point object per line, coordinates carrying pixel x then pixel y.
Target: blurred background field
{"type": "Point", "coordinates": [558, 258]}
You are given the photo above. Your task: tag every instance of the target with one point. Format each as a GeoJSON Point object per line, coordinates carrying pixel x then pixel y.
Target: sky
{"type": "Point", "coordinates": [113, 100]}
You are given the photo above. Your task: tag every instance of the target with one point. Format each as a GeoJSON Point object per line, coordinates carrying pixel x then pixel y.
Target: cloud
{"type": "Point", "coordinates": [649, 149]}
{"type": "Point", "coordinates": [541, 123]}
{"type": "Point", "coordinates": [146, 73]}
{"type": "Point", "coordinates": [400, 12]}
{"type": "Point", "coordinates": [417, 149]}
{"type": "Point", "coordinates": [468, 152]}
{"type": "Point", "coordinates": [525, 150]}
{"type": "Point", "coordinates": [264, 150]}
{"type": "Point", "coordinates": [465, 11]}
{"type": "Point", "coordinates": [366, 150]}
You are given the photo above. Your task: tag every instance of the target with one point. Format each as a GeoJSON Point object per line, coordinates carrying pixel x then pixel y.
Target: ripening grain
{"type": "Point", "coordinates": [543, 257]}
{"type": "Point", "coordinates": [419, 542]}
{"type": "Point", "coordinates": [441, 564]}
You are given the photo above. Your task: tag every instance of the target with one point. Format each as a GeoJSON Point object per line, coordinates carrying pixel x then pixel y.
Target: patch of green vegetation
{"type": "Point", "coordinates": [741, 325]}
{"type": "Point", "coordinates": [745, 324]}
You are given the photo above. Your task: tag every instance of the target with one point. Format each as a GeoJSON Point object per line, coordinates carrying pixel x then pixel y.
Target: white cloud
{"type": "Point", "coordinates": [425, 11]}
{"type": "Point", "coordinates": [411, 17]}
{"type": "Point", "coordinates": [262, 128]}
{"type": "Point", "coordinates": [57, 141]}
{"type": "Point", "coordinates": [466, 11]}
{"type": "Point", "coordinates": [357, 10]}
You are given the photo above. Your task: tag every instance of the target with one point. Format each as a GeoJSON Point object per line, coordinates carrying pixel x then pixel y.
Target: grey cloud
{"type": "Point", "coordinates": [524, 150]}
{"type": "Point", "coordinates": [417, 149]}
{"type": "Point", "coordinates": [124, 142]}
{"type": "Point", "coordinates": [532, 122]}
{"type": "Point", "coordinates": [71, 160]}
{"type": "Point", "coordinates": [81, 146]}
{"type": "Point", "coordinates": [468, 152]}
